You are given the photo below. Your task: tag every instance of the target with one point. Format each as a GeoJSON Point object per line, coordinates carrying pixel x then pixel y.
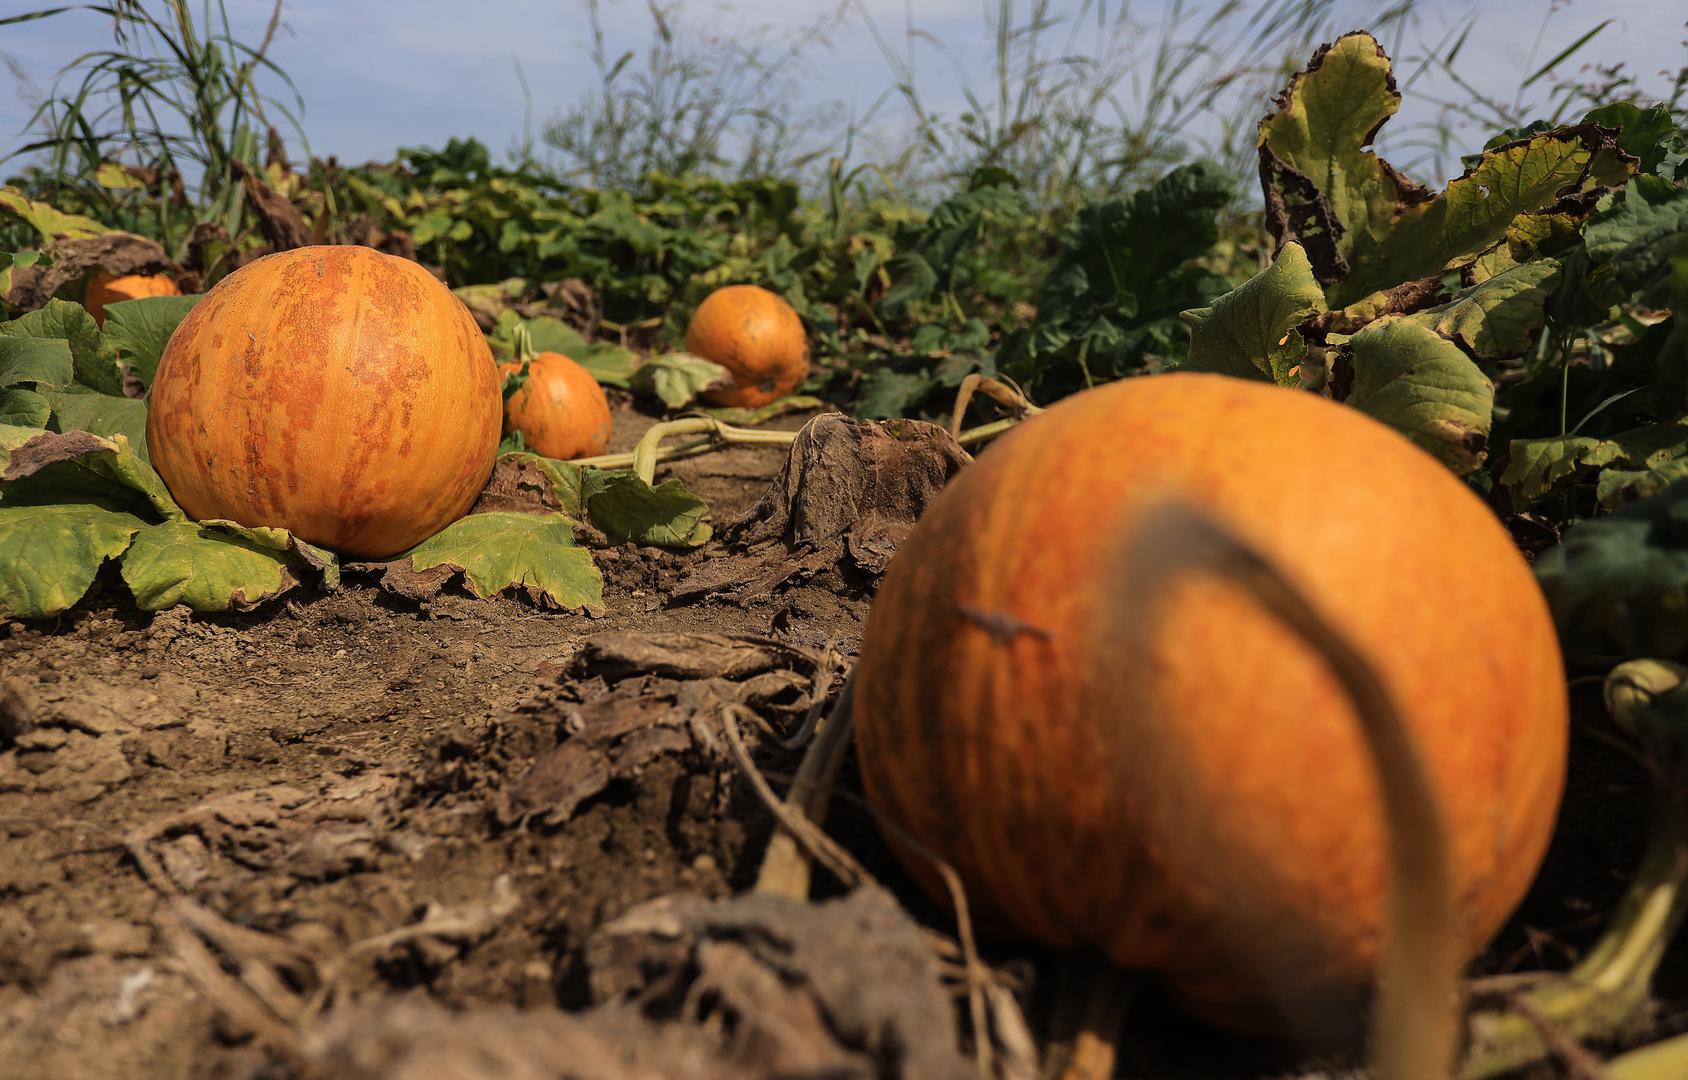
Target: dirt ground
{"type": "Point", "coordinates": [312, 838]}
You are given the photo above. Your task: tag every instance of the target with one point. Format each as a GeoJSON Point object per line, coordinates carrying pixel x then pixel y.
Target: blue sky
{"type": "Point", "coordinates": [377, 74]}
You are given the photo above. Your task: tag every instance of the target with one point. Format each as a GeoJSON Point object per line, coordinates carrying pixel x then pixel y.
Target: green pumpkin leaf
{"type": "Point", "coordinates": [547, 333]}
{"type": "Point", "coordinates": [77, 409]}
{"type": "Point", "coordinates": [611, 365]}
{"type": "Point", "coordinates": [1632, 241]}
{"type": "Point", "coordinates": [625, 508]}
{"type": "Point", "coordinates": [1425, 387]}
{"type": "Point", "coordinates": [1620, 487]}
{"type": "Point", "coordinates": [1618, 585]}
{"type": "Point", "coordinates": [1367, 227]}
{"type": "Point", "coordinates": [502, 551]}
{"type": "Point", "coordinates": [677, 378]}
{"type": "Point", "coordinates": [64, 321]}
{"type": "Point", "coordinates": [886, 392]}
{"type": "Point", "coordinates": [208, 566]}
{"type": "Point", "coordinates": [1499, 317]}
{"type": "Point", "coordinates": [24, 408]}
{"type": "Point", "coordinates": [80, 466]}
{"type": "Point", "coordinates": [36, 361]}
{"type": "Point", "coordinates": [51, 554]}
{"type": "Point", "coordinates": [1538, 466]}
{"type": "Point", "coordinates": [52, 224]}
{"type": "Point", "coordinates": [1250, 332]}
{"type": "Point", "coordinates": [136, 331]}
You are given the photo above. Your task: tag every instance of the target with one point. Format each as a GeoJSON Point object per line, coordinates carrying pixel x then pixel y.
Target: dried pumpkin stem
{"type": "Point", "coordinates": [785, 865]}
{"type": "Point", "coordinates": [997, 390]}
{"type": "Point", "coordinates": [1415, 1026]}
{"type": "Point", "coordinates": [644, 458]}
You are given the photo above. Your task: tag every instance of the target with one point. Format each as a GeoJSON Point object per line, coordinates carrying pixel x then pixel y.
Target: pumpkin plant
{"type": "Point", "coordinates": [336, 392]}
{"type": "Point", "coordinates": [757, 337]}
{"type": "Point", "coordinates": [1186, 790]}
{"type": "Point", "coordinates": [1405, 302]}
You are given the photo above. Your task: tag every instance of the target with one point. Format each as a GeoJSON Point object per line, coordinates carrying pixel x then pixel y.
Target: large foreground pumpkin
{"type": "Point", "coordinates": [1188, 792]}
{"type": "Point", "coordinates": [337, 392]}
{"type": "Point", "coordinates": [757, 337]}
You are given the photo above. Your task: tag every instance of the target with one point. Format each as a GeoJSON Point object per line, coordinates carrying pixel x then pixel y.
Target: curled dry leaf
{"type": "Point", "coordinates": [849, 489]}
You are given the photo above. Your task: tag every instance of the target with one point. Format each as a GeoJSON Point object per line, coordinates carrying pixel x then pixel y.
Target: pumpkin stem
{"type": "Point", "coordinates": [1415, 1026]}
{"type": "Point", "coordinates": [1002, 391]}
{"type": "Point", "coordinates": [523, 342]}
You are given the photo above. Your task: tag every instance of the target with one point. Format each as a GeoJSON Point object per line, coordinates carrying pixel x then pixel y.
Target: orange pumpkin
{"type": "Point", "coordinates": [1192, 795]}
{"type": "Point", "coordinates": [560, 410]}
{"type": "Point", "coordinates": [757, 337]}
{"type": "Point", "coordinates": [104, 289]}
{"type": "Point", "coordinates": [339, 393]}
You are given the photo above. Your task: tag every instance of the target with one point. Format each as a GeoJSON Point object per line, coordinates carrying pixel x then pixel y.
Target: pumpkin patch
{"type": "Point", "coordinates": [1117, 561]}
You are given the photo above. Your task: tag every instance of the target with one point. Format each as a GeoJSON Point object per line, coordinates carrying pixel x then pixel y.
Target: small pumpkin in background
{"type": "Point", "coordinates": [105, 289]}
{"type": "Point", "coordinates": [558, 407]}
{"type": "Point", "coordinates": [757, 337]}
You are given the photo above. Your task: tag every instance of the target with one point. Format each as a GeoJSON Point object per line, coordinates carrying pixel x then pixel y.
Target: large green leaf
{"type": "Point", "coordinates": [677, 378]}
{"type": "Point", "coordinates": [502, 551]}
{"type": "Point", "coordinates": [626, 508]}
{"type": "Point", "coordinates": [52, 224]}
{"type": "Point", "coordinates": [24, 408]}
{"type": "Point", "coordinates": [619, 504]}
{"type": "Point", "coordinates": [1538, 466]}
{"type": "Point", "coordinates": [76, 409]}
{"type": "Point", "coordinates": [1251, 330]}
{"type": "Point", "coordinates": [1631, 241]}
{"type": "Point", "coordinates": [136, 331]}
{"type": "Point", "coordinates": [65, 321]}
{"type": "Point", "coordinates": [36, 361]}
{"type": "Point", "coordinates": [1424, 386]}
{"type": "Point", "coordinates": [209, 566]}
{"type": "Point", "coordinates": [1618, 585]}
{"type": "Point", "coordinates": [51, 553]}
{"type": "Point", "coordinates": [548, 334]}
{"type": "Point", "coordinates": [1499, 317]}
{"type": "Point", "coordinates": [1366, 226]}
{"type": "Point", "coordinates": [78, 466]}
{"type": "Point", "coordinates": [611, 365]}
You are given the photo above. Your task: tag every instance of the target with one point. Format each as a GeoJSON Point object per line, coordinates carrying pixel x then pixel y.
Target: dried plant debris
{"type": "Point", "coordinates": [849, 490]}
{"type": "Point", "coordinates": [116, 253]}
{"type": "Point", "coordinates": [849, 987]}
{"type": "Point", "coordinates": [751, 988]}
{"type": "Point", "coordinates": [625, 701]}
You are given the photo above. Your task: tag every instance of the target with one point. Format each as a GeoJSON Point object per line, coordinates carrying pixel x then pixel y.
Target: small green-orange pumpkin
{"type": "Point", "coordinates": [757, 337]}
{"type": "Point", "coordinates": [339, 393]}
{"type": "Point", "coordinates": [560, 409]}
{"type": "Point", "coordinates": [1188, 791]}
